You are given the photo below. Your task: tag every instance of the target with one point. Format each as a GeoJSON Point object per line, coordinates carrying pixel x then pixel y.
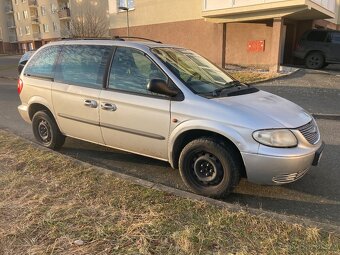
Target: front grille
{"type": "Point", "coordinates": [311, 132]}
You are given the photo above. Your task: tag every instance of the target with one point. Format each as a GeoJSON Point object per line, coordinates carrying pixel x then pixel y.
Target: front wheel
{"type": "Point", "coordinates": [46, 131]}
{"type": "Point", "coordinates": [315, 60]}
{"type": "Point", "coordinates": [208, 168]}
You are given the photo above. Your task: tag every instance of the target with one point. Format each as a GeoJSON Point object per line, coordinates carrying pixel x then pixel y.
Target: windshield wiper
{"type": "Point", "coordinates": [231, 84]}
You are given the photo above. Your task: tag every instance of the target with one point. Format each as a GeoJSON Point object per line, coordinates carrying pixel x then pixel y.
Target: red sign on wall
{"type": "Point", "coordinates": [256, 46]}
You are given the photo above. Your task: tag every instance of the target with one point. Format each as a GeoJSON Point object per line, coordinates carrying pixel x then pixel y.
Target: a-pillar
{"type": "Point", "coordinates": [276, 45]}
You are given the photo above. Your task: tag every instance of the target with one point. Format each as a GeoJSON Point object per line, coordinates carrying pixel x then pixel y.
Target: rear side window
{"type": "Point", "coordinates": [43, 62]}
{"type": "Point", "coordinates": [335, 38]}
{"type": "Point", "coordinates": [317, 36]}
{"type": "Point", "coordinates": [83, 65]}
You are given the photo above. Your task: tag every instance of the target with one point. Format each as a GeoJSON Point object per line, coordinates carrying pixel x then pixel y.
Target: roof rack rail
{"type": "Point", "coordinates": [122, 38]}
{"type": "Point", "coordinates": [99, 38]}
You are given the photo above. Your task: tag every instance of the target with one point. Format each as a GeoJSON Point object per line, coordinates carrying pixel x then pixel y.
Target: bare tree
{"type": "Point", "coordinates": [87, 22]}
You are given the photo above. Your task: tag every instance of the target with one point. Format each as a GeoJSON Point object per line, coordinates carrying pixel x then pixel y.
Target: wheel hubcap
{"type": "Point", "coordinates": [44, 131]}
{"type": "Point", "coordinates": [207, 168]}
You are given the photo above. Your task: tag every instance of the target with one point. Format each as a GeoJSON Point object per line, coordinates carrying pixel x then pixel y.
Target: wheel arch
{"type": "Point", "coordinates": [181, 138]}
{"type": "Point", "coordinates": [36, 104]}
{"type": "Point", "coordinates": [316, 51]}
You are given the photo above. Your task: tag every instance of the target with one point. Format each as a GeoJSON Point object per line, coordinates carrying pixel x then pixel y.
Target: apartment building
{"type": "Point", "coordinates": [7, 27]}
{"type": "Point", "coordinates": [29, 24]}
{"type": "Point", "coordinates": [261, 33]}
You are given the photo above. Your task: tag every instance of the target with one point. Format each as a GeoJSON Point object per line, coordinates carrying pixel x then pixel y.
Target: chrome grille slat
{"type": "Point", "coordinates": [307, 132]}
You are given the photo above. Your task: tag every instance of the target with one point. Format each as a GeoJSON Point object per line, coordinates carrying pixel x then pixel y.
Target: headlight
{"type": "Point", "coordinates": [281, 138]}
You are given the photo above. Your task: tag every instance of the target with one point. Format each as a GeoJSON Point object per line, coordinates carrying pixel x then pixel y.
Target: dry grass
{"type": "Point", "coordinates": [47, 202]}
{"type": "Point", "coordinates": [249, 76]}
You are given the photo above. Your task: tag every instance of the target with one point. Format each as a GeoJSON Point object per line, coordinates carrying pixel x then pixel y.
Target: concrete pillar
{"type": "Point", "coordinates": [277, 45]}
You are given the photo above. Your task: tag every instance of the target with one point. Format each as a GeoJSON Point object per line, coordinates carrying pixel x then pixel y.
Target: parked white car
{"type": "Point", "coordinates": [167, 103]}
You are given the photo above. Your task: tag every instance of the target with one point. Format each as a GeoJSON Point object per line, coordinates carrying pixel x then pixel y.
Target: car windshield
{"type": "Point", "coordinates": [197, 73]}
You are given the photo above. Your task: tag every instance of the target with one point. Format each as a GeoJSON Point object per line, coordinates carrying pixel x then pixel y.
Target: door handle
{"type": "Point", "coordinates": [109, 107]}
{"type": "Point", "coordinates": [90, 103]}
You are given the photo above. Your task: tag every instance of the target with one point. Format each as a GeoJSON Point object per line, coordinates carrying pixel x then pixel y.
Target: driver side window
{"type": "Point", "coordinates": [132, 70]}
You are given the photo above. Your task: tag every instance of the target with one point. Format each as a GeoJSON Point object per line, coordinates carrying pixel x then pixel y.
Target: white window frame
{"type": "Point", "coordinates": [20, 31]}
{"type": "Point", "coordinates": [27, 30]}
{"type": "Point", "coordinates": [25, 14]}
{"type": "Point", "coordinates": [43, 10]}
{"type": "Point", "coordinates": [45, 28]}
{"type": "Point", "coordinates": [55, 26]}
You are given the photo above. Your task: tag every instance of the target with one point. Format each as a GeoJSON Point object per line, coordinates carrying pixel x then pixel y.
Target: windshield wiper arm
{"type": "Point", "coordinates": [231, 84]}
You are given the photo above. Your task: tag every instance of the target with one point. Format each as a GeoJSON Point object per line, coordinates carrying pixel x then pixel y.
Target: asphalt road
{"type": "Point", "coordinates": [316, 196]}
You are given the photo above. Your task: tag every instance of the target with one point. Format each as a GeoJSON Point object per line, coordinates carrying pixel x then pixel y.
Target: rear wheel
{"type": "Point", "coordinates": [315, 60]}
{"type": "Point", "coordinates": [46, 131]}
{"type": "Point", "coordinates": [208, 168]}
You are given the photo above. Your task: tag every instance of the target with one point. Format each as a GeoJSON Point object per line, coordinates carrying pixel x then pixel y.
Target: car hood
{"type": "Point", "coordinates": [263, 105]}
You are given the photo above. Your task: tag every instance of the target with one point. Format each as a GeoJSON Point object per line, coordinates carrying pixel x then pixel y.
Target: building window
{"type": "Point", "coordinates": [45, 27]}
{"type": "Point", "coordinates": [54, 8]}
{"type": "Point", "coordinates": [20, 31]}
{"type": "Point", "coordinates": [23, 1]}
{"type": "Point", "coordinates": [18, 15]}
{"type": "Point", "coordinates": [43, 10]}
{"type": "Point", "coordinates": [16, 2]}
{"type": "Point", "coordinates": [126, 3]}
{"type": "Point", "coordinates": [25, 14]}
{"type": "Point", "coordinates": [27, 30]}
{"type": "Point", "coordinates": [55, 27]}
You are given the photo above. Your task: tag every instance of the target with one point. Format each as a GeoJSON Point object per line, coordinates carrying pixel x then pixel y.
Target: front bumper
{"type": "Point", "coordinates": [276, 170]}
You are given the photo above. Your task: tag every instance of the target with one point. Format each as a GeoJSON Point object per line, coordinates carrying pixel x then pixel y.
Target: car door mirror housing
{"type": "Point", "coordinates": [161, 87]}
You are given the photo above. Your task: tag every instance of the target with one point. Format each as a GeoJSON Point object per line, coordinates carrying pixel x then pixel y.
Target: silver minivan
{"type": "Point", "coordinates": [167, 103]}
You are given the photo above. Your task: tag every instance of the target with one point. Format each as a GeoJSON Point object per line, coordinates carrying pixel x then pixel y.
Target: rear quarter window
{"type": "Point", "coordinates": [43, 62]}
{"type": "Point", "coordinates": [317, 36]}
{"type": "Point", "coordinates": [83, 65]}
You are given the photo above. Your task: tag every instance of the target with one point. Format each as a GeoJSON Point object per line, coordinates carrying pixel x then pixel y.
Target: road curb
{"type": "Point", "coordinates": [188, 195]}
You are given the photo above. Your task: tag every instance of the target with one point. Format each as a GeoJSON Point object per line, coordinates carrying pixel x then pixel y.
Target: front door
{"type": "Point", "coordinates": [75, 93]}
{"type": "Point", "coordinates": [131, 117]}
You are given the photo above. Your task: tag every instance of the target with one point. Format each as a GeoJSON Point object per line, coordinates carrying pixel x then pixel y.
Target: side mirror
{"type": "Point", "coordinates": [161, 87]}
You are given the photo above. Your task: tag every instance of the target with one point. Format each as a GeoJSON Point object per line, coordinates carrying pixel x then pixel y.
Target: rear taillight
{"type": "Point", "coordinates": [20, 86]}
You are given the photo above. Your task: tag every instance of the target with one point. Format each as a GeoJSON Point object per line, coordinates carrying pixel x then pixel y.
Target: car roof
{"type": "Point", "coordinates": [142, 45]}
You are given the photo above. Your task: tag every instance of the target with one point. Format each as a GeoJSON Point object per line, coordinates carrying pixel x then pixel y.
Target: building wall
{"type": "Point", "coordinates": [237, 43]}
{"type": "Point", "coordinates": [198, 35]}
{"type": "Point", "coordinates": [3, 22]}
{"type": "Point", "coordinates": [37, 35]}
{"type": "Point", "coordinates": [147, 12]}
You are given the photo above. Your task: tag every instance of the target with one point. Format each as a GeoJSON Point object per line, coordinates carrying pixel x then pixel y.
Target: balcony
{"type": "Point", "coordinates": [11, 25]}
{"type": "Point", "coordinates": [35, 20]}
{"type": "Point", "coordinates": [32, 3]}
{"type": "Point", "coordinates": [13, 38]}
{"type": "Point", "coordinates": [64, 14]}
{"type": "Point", "coordinates": [9, 10]}
{"type": "Point", "coordinates": [238, 10]}
{"type": "Point", "coordinates": [36, 35]}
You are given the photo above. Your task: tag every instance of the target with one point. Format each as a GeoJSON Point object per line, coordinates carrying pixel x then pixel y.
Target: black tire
{"type": "Point", "coordinates": [209, 168]}
{"type": "Point", "coordinates": [315, 60]}
{"type": "Point", "coordinates": [46, 131]}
